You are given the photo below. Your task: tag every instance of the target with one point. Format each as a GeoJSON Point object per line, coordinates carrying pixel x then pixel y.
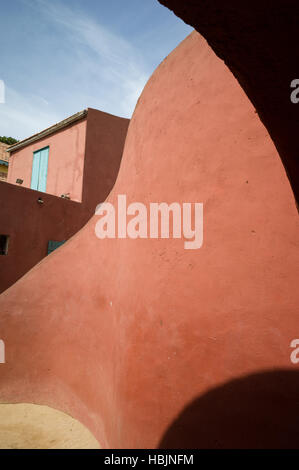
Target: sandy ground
{"type": "Point", "coordinates": [26, 426]}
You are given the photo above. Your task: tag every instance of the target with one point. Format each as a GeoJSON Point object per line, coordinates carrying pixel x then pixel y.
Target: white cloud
{"type": "Point", "coordinates": [72, 62]}
{"type": "Point", "coordinates": [22, 116]}
{"type": "Point", "coordinates": [116, 68]}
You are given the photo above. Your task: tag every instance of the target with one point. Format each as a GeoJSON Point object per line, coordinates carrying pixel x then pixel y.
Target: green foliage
{"type": "Point", "coordinates": [8, 140]}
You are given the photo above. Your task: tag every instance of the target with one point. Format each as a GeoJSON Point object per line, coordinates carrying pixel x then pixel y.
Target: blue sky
{"type": "Point", "coordinates": [58, 57]}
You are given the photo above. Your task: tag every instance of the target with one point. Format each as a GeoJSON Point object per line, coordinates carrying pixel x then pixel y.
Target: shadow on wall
{"type": "Point", "coordinates": [257, 411]}
{"type": "Point", "coordinates": [262, 59]}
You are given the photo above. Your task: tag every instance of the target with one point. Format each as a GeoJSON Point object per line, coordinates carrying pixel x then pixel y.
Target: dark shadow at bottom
{"type": "Point", "coordinates": [257, 411]}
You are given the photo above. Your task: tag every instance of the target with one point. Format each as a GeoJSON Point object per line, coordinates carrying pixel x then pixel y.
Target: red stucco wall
{"type": "Point", "coordinates": [105, 140]}
{"type": "Point", "coordinates": [66, 161]}
{"type": "Point", "coordinates": [124, 334]}
{"type": "Point", "coordinates": [31, 226]}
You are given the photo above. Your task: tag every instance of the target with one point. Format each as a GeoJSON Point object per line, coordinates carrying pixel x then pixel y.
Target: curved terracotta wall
{"type": "Point", "coordinates": [124, 334]}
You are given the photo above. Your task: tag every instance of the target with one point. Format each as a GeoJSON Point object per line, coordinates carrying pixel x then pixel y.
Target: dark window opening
{"type": "Point", "coordinates": [4, 239]}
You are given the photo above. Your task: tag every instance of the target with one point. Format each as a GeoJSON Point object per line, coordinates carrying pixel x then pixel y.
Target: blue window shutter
{"type": "Point", "coordinates": [40, 170]}
{"type": "Point", "coordinates": [43, 170]}
{"type": "Point", "coordinates": [35, 170]}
